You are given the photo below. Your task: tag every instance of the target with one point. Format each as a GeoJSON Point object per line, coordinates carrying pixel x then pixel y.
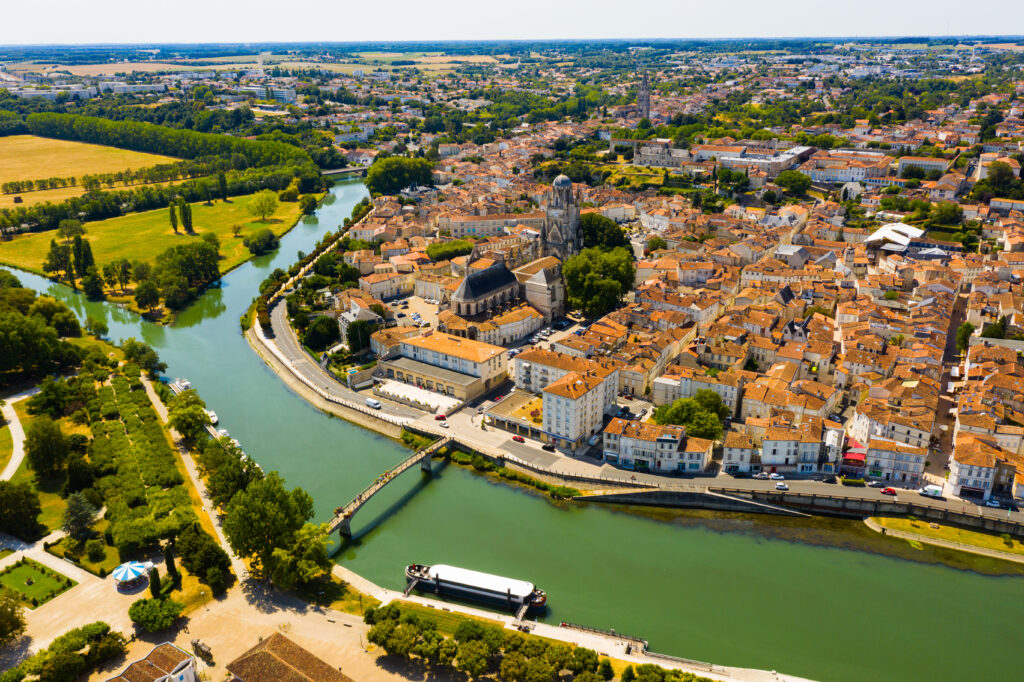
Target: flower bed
{"type": "Point", "coordinates": [34, 583]}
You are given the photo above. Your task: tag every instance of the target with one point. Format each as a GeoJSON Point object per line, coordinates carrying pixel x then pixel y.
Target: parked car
{"type": "Point", "coordinates": [776, 477]}
{"type": "Point", "coordinates": [440, 417]}
{"type": "Point", "coordinates": [781, 486]}
{"type": "Point", "coordinates": [829, 479]}
{"type": "Point", "coordinates": [761, 476]}
{"type": "Point", "coordinates": [519, 439]}
{"type": "Point", "coordinates": [400, 315]}
{"type": "Point", "coordinates": [875, 484]}
{"type": "Point", "coordinates": [444, 425]}
{"type": "Point", "coordinates": [550, 447]}
{"type": "Point", "coordinates": [740, 474]}
{"type": "Point", "coordinates": [993, 503]}
{"type": "Point", "coordinates": [498, 397]}
{"type": "Point", "coordinates": [888, 491]}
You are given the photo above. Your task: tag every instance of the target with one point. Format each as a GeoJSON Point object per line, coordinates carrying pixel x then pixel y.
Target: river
{"type": "Point", "coordinates": [733, 597]}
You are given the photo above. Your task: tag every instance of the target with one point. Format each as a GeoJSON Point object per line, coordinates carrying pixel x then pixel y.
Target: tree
{"type": "Point", "coordinates": [187, 415]}
{"type": "Point", "coordinates": [996, 330]}
{"type": "Point", "coordinates": [68, 228]}
{"type": "Point", "coordinates": [227, 470]}
{"type": "Point", "coordinates": [92, 285]}
{"type": "Point", "coordinates": [263, 204]}
{"type": "Point", "coordinates": [261, 241]}
{"type": "Point", "coordinates": [185, 212]}
{"type": "Point", "coordinates": [472, 658]}
{"type": "Point", "coordinates": [172, 570]}
{"type": "Point", "coordinates": [19, 509]}
{"type": "Point", "coordinates": [601, 232]}
{"type": "Point", "coordinates": [201, 555]}
{"type": "Point", "coordinates": [97, 328]}
{"type": "Point", "coordinates": [794, 182]}
{"type": "Point", "coordinates": [52, 398]}
{"type": "Point", "coordinates": [947, 213]}
{"type": "Point", "coordinates": [963, 336]}
{"type": "Point", "coordinates": [46, 448]}
{"type": "Point", "coordinates": [303, 561]}
{"type": "Point", "coordinates": [78, 516]}
{"type": "Point", "coordinates": [154, 615]}
{"type": "Point", "coordinates": [236, 229]}
{"type": "Point", "coordinates": [12, 618]}
{"type": "Point", "coordinates": [265, 517]}
{"type": "Point", "coordinates": [147, 296]}
{"type": "Point", "coordinates": [395, 173]}
{"type": "Point", "coordinates": [447, 250]}
{"type": "Point", "coordinates": [595, 280]}
{"type": "Point", "coordinates": [628, 675]}
{"type": "Point", "coordinates": [605, 670]}
{"type": "Point", "coordinates": [222, 185]}
{"type": "Point", "coordinates": [58, 260]}
{"type": "Point", "coordinates": [656, 244]}
{"type": "Point", "coordinates": [81, 253]}
{"type": "Point", "coordinates": [357, 335]}
{"type": "Point", "coordinates": [173, 217]}
{"type": "Point", "coordinates": [154, 582]}
{"type": "Point", "coordinates": [307, 204]}
{"type": "Point", "coordinates": [143, 355]}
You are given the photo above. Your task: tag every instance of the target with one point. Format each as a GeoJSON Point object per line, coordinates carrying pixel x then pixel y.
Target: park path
{"type": "Point", "coordinates": [948, 544]}
{"type": "Point", "coordinates": [17, 433]}
{"type": "Point", "coordinates": [237, 565]}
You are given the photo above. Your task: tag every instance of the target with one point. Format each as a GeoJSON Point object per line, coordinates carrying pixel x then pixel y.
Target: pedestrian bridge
{"type": "Point", "coordinates": [342, 521]}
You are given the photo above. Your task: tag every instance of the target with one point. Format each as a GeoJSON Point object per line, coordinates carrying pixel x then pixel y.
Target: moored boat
{"type": "Point", "coordinates": [494, 590]}
{"type": "Point", "coordinates": [213, 417]}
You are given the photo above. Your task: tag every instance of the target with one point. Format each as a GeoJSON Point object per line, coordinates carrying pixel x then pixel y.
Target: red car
{"type": "Point", "coordinates": [519, 439]}
{"type": "Point", "coordinates": [888, 491]}
{"type": "Point", "coordinates": [439, 417]}
{"type": "Point", "coordinates": [498, 397]}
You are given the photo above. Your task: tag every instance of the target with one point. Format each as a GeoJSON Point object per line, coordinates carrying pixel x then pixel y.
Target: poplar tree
{"type": "Point", "coordinates": [174, 219]}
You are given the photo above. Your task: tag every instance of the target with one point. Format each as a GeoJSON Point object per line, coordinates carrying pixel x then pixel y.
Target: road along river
{"type": "Point", "coordinates": [735, 592]}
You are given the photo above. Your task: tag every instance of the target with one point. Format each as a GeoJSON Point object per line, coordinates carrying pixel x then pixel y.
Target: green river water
{"type": "Point", "coordinates": [733, 597]}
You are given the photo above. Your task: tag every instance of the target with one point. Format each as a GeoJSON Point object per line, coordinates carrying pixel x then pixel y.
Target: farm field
{"type": "Point", "coordinates": [27, 157]}
{"type": "Point", "coordinates": [143, 236]}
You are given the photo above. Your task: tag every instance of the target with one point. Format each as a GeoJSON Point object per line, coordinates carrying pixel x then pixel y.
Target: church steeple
{"type": "Point", "coordinates": [643, 97]}
{"type": "Point", "coordinates": [562, 234]}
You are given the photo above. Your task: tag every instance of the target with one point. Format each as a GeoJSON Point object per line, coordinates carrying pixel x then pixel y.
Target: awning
{"type": "Point", "coordinates": [855, 456]}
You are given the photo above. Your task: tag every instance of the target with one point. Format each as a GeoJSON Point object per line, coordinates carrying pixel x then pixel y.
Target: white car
{"type": "Point", "coordinates": [776, 477]}
{"type": "Point", "coordinates": [444, 425]}
{"type": "Point", "coordinates": [781, 486]}
{"type": "Point", "coordinates": [992, 503]}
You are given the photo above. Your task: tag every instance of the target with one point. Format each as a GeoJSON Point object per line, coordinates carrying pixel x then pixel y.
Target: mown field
{"type": "Point", "coordinates": [27, 157]}
{"type": "Point", "coordinates": [143, 236]}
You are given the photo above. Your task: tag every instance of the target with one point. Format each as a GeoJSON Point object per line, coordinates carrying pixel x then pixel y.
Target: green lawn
{"type": "Point", "coordinates": [75, 549]}
{"type": "Point", "coordinates": [143, 236]}
{"type": "Point", "coordinates": [6, 445]}
{"type": "Point", "coordinates": [46, 584]}
{"type": "Point", "coordinates": [4, 552]}
{"type": "Point", "coordinates": [952, 534]}
{"type": "Point", "coordinates": [48, 489]}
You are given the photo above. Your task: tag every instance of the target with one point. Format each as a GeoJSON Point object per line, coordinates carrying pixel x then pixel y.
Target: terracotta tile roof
{"type": "Point", "coordinates": [279, 659]}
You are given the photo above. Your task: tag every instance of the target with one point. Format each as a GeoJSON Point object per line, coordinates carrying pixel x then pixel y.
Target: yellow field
{"type": "Point", "coordinates": [142, 236]}
{"type": "Point", "coordinates": [27, 157]}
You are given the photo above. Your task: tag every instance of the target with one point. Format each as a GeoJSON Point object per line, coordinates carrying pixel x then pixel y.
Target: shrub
{"type": "Point", "coordinates": [154, 615]}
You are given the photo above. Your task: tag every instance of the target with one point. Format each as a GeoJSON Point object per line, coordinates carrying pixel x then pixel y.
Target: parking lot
{"type": "Point", "coordinates": [406, 307]}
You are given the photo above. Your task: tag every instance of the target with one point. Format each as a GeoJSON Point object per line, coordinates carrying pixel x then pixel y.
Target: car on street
{"type": "Point", "coordinates": [498, 397]}
{"type": "Point", "coordinates": [993, 503]}
{"type": "Point", "coordinates": [781, 486]}
{"type": "Point", "coordinates": [550, 447]}
{"type": "Point", "coordinates": [740, 474]}
{"type": "Point", "coordinates": [776, 477]}
{"type": "Point", "coordinates": [440, 417]}
{"type": "Point", "coordinates": [829, 479]}
{"type": "Point", "coordinates": [761, 476]}
{"type": "Point", "coordinates": [875, 484]}
{"type": "Point", "coordinates": [519, 439]}
{"type": "Point", "coordinates": [888, 491]}
{"type": "Point", "coordinates": [444, 425]}
{"type": "Point", "coordinates": [479, 410]}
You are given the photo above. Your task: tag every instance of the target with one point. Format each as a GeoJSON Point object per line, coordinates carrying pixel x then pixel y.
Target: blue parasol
{"type": "Point", "coordinates": [128, 571]}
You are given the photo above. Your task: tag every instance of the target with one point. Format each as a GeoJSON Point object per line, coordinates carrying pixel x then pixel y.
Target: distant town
{"type": "Point", "coordinates": [774, 277]}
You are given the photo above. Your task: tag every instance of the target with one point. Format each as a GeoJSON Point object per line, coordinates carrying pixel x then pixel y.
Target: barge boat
{"type": "Point", "coordinates": [494, 590]}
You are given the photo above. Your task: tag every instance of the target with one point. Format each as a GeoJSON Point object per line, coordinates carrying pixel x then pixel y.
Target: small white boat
{"type": "Point", "coordinates": [213, 417]}
{"type": "Point", "coordinates": [223, 433]}
{"type": "Point", "coordinates": [182, 384]}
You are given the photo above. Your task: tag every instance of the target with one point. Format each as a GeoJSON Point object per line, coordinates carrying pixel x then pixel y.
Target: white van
{"type": "Point", "coordinates": [374, 403]}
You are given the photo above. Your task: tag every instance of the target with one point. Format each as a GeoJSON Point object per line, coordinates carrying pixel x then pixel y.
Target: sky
{"type": "Point", "coordinates": [203, 21]}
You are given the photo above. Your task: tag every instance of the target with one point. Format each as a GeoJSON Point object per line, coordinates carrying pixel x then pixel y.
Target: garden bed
{"type": "Point", "coordinates": [34, 583]}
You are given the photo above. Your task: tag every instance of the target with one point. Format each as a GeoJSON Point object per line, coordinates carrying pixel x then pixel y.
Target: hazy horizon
{"type": "Point", "coordinates": [124, 22]}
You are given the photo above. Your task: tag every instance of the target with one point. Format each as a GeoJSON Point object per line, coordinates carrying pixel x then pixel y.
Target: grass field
{"type": "Point", "coordinates": [952, 534]}
{"type": "Point", "coordinates": [27, 157]}
{"type": "Point", "coordinates": [143, 236]}
{"type": "Point", "coordinates": [73, 548]}
{"type": "Point", "coordinates": [6, 445]}
{"type": "Point", "coordinates": [46, 584]}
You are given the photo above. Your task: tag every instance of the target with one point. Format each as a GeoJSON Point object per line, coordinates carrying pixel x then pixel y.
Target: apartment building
{"type": "Point", "coordinates": [979, 468]}
{"type": "Point", "coordinates": [657, 448]}
{"type": "Point", "coordinates": [457, 367]}
{"type": "Point", "coordinates": [573, 410]}
{"type": "Point", "coordinates": [535, 369]}
{"type": "Point", "coordinates": [891, 461]}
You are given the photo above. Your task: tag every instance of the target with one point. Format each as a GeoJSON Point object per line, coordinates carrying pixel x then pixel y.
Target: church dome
{"type": "Point", "coordinates": [562, 181]}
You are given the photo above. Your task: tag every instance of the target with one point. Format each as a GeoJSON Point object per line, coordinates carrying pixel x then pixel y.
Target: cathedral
{"type": "Point", "coordinates": [561, 235]}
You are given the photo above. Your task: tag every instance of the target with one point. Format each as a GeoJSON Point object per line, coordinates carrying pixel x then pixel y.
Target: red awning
{"type": "Point", "coordinates": [852, 443]}
{"type": "Point", "coordinates": [856, 456]}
